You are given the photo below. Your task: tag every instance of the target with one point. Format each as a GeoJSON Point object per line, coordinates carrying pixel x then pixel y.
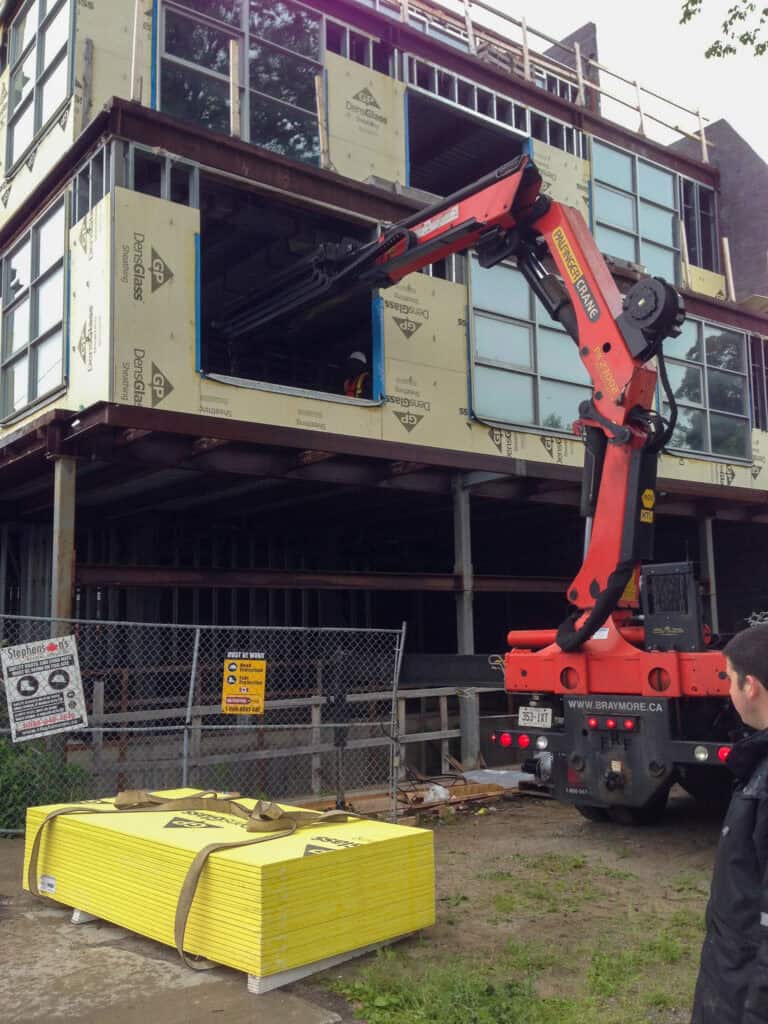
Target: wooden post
{"type": "Point", "coordinates": [581, 98]}
{"type": "Point", "coordinates": [63, 553]}
{"type": "Point", "coordinates": [728, 269]}
{"type": "Point", "coordinates": [234, 88]}
{"type": "Point", "coordinates": [526, 51]}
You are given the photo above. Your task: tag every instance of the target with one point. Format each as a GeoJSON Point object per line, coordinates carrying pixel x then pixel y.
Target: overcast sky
{"type": "Point", "coordinates": [645, 41]}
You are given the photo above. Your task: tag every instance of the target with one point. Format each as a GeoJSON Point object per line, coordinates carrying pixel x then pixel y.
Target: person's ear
{"type": "Point", "coordinates": [752, 687]}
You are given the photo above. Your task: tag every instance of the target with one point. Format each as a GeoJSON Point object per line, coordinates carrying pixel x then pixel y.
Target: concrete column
{"type": "Point", "coordinates": [462, 548]}
{"type": "Point", "coordinates": [708, 571]}
{"type": "Point", "coordinates": [63, 554]}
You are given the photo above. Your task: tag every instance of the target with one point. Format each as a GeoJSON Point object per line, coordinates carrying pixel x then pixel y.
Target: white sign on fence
{"type": "Point", "coordinates": [43, 688]}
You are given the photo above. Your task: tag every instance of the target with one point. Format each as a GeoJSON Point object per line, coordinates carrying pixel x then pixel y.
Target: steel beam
{"type": "Point", "coordinates": [462, 549]}
{"type": "Point", "coordinates": [63, 552]}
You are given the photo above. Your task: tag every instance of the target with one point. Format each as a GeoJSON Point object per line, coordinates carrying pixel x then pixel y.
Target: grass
{"type": "Point", "coordinates": [584, 951]}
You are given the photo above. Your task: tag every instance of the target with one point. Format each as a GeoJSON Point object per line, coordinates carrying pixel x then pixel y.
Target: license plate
{"type": "Point", "coordinates": [535, 718]}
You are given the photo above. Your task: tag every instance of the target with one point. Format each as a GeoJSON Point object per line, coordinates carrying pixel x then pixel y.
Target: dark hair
{"type": "Point", "coordinates": [748, 653]}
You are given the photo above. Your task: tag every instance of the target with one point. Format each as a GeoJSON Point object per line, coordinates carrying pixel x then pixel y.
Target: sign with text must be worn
{"type": "Point", "coordinates": [243, 683]}
{"type": "Point", "coordinates": [43, 688]}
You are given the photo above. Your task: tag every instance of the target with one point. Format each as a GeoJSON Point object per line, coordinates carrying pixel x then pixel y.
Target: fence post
{"type": "Point", "coordinates": [469, 721]}
{"type": "Point", "coordinates": [97, 723]}
{"type": "Point", "coordinates": [188, 716]}
{"type": "Point", "coordinates": [444, 743]}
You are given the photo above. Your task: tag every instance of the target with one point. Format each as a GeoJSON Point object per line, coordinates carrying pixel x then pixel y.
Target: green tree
{"type": "Point", "coordinates": [745, 25]}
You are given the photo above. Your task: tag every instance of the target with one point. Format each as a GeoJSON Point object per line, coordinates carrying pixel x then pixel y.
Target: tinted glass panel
{"type": "Point", "coordinates": [688, 345]}
{"type": "Point", "coordinates": [729, 436]}
{"type": "Point", "coordinates": [16, 328]}
{"type": "Point", "coordinates": [50, 237]}
{"type": "Point", "coordinates": [294, 28]}
{"type": "Point", "coordinates": [614, 243]}
{"type": "Point", "coordinates": [22, 132]}
{"type": "Point", "coordinates": [615, 208]}
{"type": "Point", "coordinates": [612, 167]}
{"type": "Point", "coordinates": [49, 364]}
{"type": "Point", "coordinates": [502, 341]}
{"type": "Point", "coordinates": [50, 301]}
{"type": "Point", "coordinates": [55, 35]}
{"type": "Point", "coordinates": [725, 349]}
{"type": "Point", "coordinates": [23, 81]}
{"type": "Point", "coordinates": [221, 10]}
{"type": "Point", "coordinates": [686, 383]}
{"type": "Point", "coordinates": [19, 267]}
{"type": "Point", "coordinates": [193, 96]}
{"type": "Point", "coordinates": [16, 385]}
{"type": "Point", "coordinates": [560, 403]}
{"type": "Point", "coordinates": [284, 129]}
{"type": "Point", "coordinates": [658, 262]}
{"type": "Point", "coordinates": [54, 90]}
{"type": "Point", "coordinates": [657, 224]}
{"type": "Point", "coordinates": [23, 30]}
{"type": "Point", "coordinates": [500, 290]}
{"type": "Point", "coordinates": [502, 395]}
{"type": "Point", "coordinates": [198, 43]}
{"type": "Point", "coordinates": [690, 430]}
{"type": "Point", "coordinates": [656, 184]}
{"type": "Point", "coordinates": [559, 357]}
{"type": "Point", "coordinates": [727, 391]}
{"type": "Point", "coordinates": [283, 76]}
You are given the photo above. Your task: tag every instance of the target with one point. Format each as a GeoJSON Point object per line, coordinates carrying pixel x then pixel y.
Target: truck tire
{"type": "Point", "coordinates": [650, 814]}
{"type": "Point", "coordinates": [592, 813]}
{"type": "Point", "coordinates": [710, 786]}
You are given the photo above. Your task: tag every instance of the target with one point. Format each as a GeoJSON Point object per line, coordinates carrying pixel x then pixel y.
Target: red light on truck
{"type": "Point", "coordinates": [723, 753]}
{"type": "Point", "coordinates": [494, 737]}
{"type": "Point", "coordinates": [629, 724]}
{"type": "Point", "coordinates": [524, 741]}
{"type": "Point", "coordinates": [592, 723]}
{"type": "Point", "coordinates": [610, 723]}
{"type": "Point", "coordinates": [505, 739]}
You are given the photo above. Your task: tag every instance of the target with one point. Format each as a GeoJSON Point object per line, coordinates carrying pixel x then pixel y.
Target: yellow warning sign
{"type": "Point", "coordinates": [243, 683]}
{"type": "Point", "coordinates": [648, 498]}
{"type": "Point", "coordinates": [646, 515]}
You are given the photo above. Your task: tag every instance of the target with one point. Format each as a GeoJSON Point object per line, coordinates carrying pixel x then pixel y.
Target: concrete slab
{"type": "Point", "coordinates": [95, 972]}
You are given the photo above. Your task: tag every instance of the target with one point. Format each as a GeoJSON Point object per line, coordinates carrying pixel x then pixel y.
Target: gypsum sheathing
{"type": "Point", "coordinates": [427, 913]}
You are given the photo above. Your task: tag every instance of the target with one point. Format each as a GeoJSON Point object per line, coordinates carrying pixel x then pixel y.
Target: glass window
{"type": "Point", "coordinates": [559, 357]}
{"type": "Point", "coordinates": [222, 10]}
{"type": "Point", "coordinates": [616, 243]}
{"type": "Point", "coordinates": [715, 378]}
{"type": "Point", "coordinates": [194, 96]}
{"type": "Point", "coordinates": [39, 71]}
{"type": "Point", "coordinates": [656, 184]}
{"type": "Point", "coordinates": [282, 76]}
{"type": "Point", "coordinates": [615, 207]}
{"type": "Point", "coordinates": [196, 42]}
{"type": "Point", "coordinates": [284, 129]}
{"type": "Point", "coordinates": [611, 166]}
{"type": "Point", "coordinates": [504, 396]}
{"type": "Point", "coordinates": [499, 291]}
{"type": "Point", "coordinates": [559, 403]}
{"type": "Point", "coordinates": [503, 341]}
{"type": "Point", "coordinates": [659, 262]}
{"type": "Point", "coordinates": [725, 349]}
{"type": "Point", "coordinates": [32, 358]}
{"type": "Point", "coordinates": [287, 25]}
{"type": "Point", "coordinates": [657, 224]}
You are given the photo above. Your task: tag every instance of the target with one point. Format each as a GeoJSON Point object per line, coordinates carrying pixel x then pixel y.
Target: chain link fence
{"type": "Point", "coordinates": [153, 694]}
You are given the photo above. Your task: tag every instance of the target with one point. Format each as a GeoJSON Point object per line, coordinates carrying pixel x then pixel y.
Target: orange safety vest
{"type": "Point", "coordinates": [354, 386]}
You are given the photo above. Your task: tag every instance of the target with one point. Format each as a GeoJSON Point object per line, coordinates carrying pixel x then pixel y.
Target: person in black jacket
{"type": "Point", "coordinates": [732, 987]}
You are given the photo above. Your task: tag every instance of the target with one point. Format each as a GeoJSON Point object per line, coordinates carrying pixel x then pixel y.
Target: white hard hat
{"type": "Point", "coordinates": [360, 356]}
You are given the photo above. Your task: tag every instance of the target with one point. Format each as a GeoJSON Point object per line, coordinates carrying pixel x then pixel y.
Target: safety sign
{"type": "Point", "coordinates": [243, 683]}
{"type": "Point", "coordinates": [43, 688]}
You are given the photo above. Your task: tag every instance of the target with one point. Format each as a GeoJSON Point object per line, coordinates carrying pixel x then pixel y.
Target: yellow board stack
{"type": "Point", "coordinates": [327, 890]}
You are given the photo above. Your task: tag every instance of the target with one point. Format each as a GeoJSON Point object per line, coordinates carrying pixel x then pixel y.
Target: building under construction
{"type": "Point", "coordinates": [165, 459]}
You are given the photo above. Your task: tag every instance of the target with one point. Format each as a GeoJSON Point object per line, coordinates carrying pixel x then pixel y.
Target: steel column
{"type": "Point", "coordinates": [462, 547]}
{"type": "Point", "coordinates": [63, 553]}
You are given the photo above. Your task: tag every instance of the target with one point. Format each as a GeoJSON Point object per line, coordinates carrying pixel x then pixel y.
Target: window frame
{"type": "Point", "coordinates": [705, 406]}
{"type": "Point", "coordinates": [638, 237]}
{"type": "Point", "coordinates": [698, 244]}
{"type": "Point", "coordinates": [29, 350]}
{"type": "Point", "coordinates": [42, 75]}
{"type": "Point", "coordinates": [537, 321]}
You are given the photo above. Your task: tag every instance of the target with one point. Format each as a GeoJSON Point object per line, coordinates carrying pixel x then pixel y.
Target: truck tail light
{"type": "Point", "coordinates": [524, 741]}
{"type": "Point", "coordinates": [723, 753]}
{"type": "Point", "coordinates": [505, 740]}
{"type": "Point", "coordinates": [629, 724]}
{"type": "Point", "coordinates": [610, 723]}
{"type": "Point", "coordinates": [592, 723]}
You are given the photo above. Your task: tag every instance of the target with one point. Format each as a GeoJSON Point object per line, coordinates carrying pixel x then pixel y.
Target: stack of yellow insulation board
{"type": "Point", "coordinates": [330, 888]}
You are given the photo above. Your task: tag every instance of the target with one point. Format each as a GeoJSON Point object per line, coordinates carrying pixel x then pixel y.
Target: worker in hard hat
{"type": "Point", "coordinates": [356, 376]}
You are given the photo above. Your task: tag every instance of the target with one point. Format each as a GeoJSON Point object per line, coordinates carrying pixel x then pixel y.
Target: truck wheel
{"type": "Point", "coordinates": [710, 786]}
{"type": "Point", "coordinates": [592, 813]}
{"type": "Point", "coordinates": [651, 813]}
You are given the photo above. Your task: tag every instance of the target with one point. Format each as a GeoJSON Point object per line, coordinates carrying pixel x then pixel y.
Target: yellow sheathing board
{"type": "Point", "coordinates": [105, 28]}
{"type": "Point", "coordinates": [425, 322]}
{"type": "Point", "coordinates": [90, 356]}
{"type": "Point", "coordinates": [706, 282]}
{"type": "Point", "coordinates": [566, 177]}
{"type": "Point", "coordinates": [366, 121]}
{"type": "Point", "coordinates": [154, 302]}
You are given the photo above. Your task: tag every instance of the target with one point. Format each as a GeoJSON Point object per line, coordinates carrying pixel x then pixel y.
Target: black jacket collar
{"type": "Point", "coordinates": [747, 754]}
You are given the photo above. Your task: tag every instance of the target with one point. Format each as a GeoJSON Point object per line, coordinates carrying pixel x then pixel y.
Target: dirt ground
{"type": "Point", "coordinates": [581, 904]}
